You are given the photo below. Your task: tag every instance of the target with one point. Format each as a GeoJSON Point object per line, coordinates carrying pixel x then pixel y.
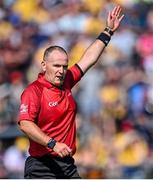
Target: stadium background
{"type": "Point", "coordinates": [115, 98]}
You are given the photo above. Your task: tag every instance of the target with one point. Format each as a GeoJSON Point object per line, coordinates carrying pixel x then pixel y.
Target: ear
{"type": "Point", "coordinates": [43, 64]}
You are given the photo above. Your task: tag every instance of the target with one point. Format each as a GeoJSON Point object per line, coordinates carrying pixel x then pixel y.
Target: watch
{"type": "Point", "coordinates": [109, 30]}
{"type": "Point", "coordinates": [51, 143]}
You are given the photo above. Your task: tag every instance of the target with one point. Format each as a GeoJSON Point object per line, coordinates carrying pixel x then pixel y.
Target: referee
{"type": "Point", "coordinates": [48, 110]}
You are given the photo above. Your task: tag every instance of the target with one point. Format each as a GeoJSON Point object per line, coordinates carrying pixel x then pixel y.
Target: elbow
{"type": "Point", "coordinates": [22, 127]}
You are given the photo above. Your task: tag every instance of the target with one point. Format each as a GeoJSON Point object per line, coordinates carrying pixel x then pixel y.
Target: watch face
{"type": "Point", "coordinates": [51, 143]}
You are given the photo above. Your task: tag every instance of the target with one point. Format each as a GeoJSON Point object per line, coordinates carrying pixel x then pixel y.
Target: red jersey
{"type": "Point", "coordinates": [52, 109]}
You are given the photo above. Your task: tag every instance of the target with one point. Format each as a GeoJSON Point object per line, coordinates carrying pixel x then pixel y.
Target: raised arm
{"type": "Point", "coordinates": [94, 51]}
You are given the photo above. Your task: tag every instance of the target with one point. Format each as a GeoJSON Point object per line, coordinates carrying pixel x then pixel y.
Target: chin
{"type": "Point", "coordinates": [58, 84]}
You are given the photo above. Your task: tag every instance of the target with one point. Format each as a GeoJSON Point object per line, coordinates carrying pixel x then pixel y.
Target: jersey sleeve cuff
{"type": "Point", "coordinates": [79, 69]}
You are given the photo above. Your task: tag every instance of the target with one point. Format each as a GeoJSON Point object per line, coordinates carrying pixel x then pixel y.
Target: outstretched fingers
{"type": "Point", "coordinates": [120, 19]}
{"type": "Point", "coordinates": [116, 11]}
{"type": "Point", "coordinates": [114, 17]}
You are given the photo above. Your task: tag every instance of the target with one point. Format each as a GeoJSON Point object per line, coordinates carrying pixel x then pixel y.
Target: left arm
{"type": "Point", "coordinates": [94, 51]}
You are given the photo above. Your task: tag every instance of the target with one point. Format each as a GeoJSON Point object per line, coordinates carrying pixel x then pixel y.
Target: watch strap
{"type": "Point", "coordinates": [109, 30]}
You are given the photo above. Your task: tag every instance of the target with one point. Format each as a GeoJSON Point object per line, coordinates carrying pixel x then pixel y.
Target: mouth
{"type": "Point", "coordinates": [61, 78]}
{"type": "Point", "coordinates": [59, 81]}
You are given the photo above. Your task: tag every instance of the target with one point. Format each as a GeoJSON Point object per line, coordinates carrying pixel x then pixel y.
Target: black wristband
{"type": "Point", "coordinates": [104, 38]}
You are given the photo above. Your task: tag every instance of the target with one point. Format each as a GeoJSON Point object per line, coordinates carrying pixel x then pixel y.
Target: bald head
{"type": "Point", "coordinates": [50, 49]}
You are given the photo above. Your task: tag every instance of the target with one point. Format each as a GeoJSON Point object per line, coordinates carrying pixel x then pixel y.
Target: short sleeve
{"type": "Point", "coordinates": [29, 107]}
{"type": "Point", "coordinates": [74, 75]}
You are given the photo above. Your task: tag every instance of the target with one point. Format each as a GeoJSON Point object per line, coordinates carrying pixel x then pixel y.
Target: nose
{"type": "Point", "coordinates": [61, 70]}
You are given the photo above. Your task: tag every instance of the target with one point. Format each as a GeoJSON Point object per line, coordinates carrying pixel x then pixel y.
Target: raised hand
{"type": "Point", "coordinates": [114, 18]}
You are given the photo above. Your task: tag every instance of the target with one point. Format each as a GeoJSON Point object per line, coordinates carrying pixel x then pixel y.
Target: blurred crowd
{"type": "Point", "coordinates": [114, 98]}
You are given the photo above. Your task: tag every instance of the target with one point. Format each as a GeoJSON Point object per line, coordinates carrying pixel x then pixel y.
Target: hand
{"type": "Point", "coordinates": [114, 18]}
{"type": "Point", "coordinates": [62, 149]}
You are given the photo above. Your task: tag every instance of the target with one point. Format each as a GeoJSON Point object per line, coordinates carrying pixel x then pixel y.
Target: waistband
{"type": "Point", "coordinates": [49, 157]}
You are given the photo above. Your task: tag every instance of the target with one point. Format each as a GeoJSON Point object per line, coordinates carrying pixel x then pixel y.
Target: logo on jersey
{"type": "Point", "coordinates": [53, 104]}
{"type": "Point", "coordinates": [23, 108]}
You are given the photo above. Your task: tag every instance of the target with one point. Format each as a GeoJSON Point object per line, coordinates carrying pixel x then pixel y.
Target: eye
{"type": "Point", "coordinates": [65, 67]}
{"type": "Point", "coordinates": [57, 65]}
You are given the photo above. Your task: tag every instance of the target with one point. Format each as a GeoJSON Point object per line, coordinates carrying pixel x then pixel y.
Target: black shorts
{"type": "Point", "coordinates": [48, 167]}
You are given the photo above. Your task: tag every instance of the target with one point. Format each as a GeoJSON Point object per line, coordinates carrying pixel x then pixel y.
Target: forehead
{"type": "Point", "coordinates": [57, 56]}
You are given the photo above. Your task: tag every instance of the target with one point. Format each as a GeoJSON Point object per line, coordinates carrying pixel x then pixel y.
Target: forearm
{"type": "Point", "coordinates": [94, 51]}
{"type": "Point", "coordinates": [34, 132]}
{"type": "Point", "coordinates": [37, 135]}
{"type": "Point", "coordinates": [91, 55]}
